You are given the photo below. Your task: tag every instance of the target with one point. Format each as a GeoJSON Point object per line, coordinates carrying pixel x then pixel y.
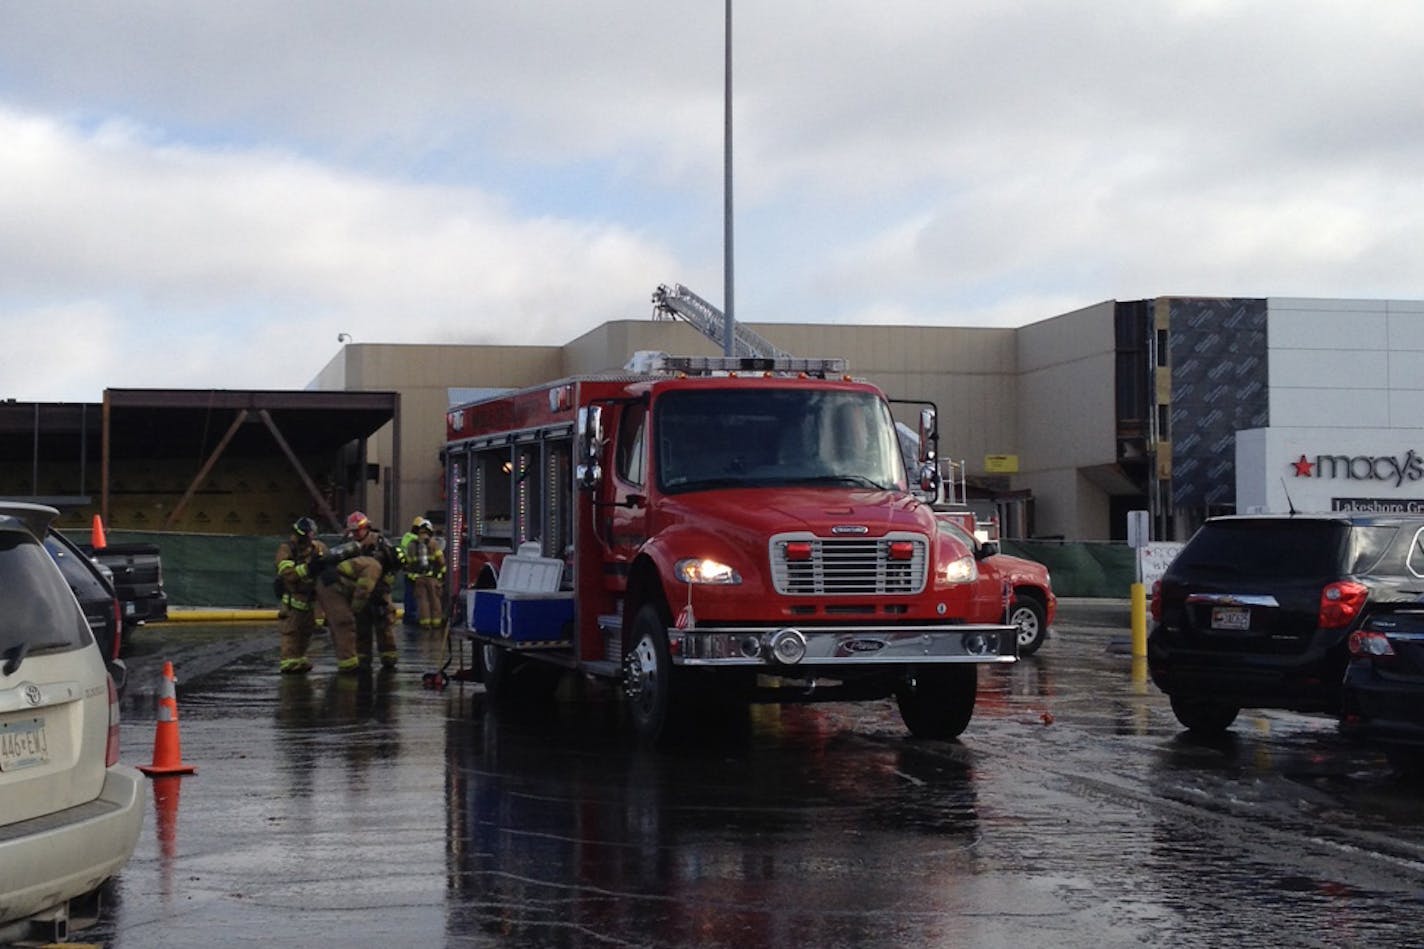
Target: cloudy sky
{"type": "Point", "coordinates": [204, 195]}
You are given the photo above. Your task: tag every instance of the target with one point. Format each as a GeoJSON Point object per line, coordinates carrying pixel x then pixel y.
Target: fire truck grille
{"type": "Point", "coordinates": [803, 564]}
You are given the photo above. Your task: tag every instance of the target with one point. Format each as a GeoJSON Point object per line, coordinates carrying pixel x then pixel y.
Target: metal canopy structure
{"type": "Point", "coordinates": [184, 423]}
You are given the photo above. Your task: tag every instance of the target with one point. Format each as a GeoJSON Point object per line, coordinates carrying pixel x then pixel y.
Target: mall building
{"type": "Point", "coordinates": [1181, 406]}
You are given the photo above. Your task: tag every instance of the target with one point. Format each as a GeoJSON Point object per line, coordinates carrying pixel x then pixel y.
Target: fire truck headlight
{"type": "Point", "coordinates": [959, 570]}
{"type": "Point", "coordinates": [698, 570]}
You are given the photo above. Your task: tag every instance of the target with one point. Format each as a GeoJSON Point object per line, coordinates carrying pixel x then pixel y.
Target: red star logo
{"type": "Point", "coordinates": [1302, 467]}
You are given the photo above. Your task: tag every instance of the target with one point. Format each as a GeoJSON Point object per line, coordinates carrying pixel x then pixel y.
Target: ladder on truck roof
{"type": "Point", "coordinates": [676, 301]}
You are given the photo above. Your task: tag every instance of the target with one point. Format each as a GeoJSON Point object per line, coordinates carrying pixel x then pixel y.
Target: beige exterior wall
{"type": "Point", "coordinates": [983, 380]}
{"type": "Point", "coordinates": [967, 372]}
{"type": "Point", "coordinates": [611, 345]}
{"type": "Point", "coordinates": [423, 374]}
{"type": "Point", "coordinates": [1067, 419]}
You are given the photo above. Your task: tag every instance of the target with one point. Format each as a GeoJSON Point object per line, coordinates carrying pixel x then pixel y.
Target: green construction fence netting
{"type": "Point", "coordinates": [1081, 568]}
{"type": "Point", "coordinates": [235, 572]}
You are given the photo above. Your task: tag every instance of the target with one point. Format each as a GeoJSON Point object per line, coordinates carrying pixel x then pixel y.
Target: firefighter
{"type": "Point", "coordinates": [371, 603]}
{"type": "Point", "coordinates": [339, 592]}
{"type": "Point", "coordinates": [297, 558]}
{"type": "Point", "coordinates": [404, 550]}
{"type": "Point", "coordinates": [424, 562]}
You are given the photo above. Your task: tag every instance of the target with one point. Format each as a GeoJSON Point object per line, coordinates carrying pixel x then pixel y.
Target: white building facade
{"type": "Point", "coordinates": [1346, 395]}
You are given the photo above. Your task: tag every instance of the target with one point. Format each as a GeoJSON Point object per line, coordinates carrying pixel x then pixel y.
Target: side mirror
{"type": "Point", "coordinates": [988, 549]}
{"type": "Point", "coordinates": [590, 446]}
{"type": "Point", "coordinates": [929, 436]}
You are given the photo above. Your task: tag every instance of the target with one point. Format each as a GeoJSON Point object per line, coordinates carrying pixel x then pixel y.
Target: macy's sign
{"type": "Point", "coordinates": [1392, 469]}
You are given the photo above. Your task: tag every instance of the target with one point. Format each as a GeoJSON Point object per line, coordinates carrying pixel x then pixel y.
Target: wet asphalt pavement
{"type": "Point", "coordinates": [1073, 812]}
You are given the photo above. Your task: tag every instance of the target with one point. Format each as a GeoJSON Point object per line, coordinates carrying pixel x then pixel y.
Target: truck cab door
{"type": "Point", "coordinates": [623, 509]}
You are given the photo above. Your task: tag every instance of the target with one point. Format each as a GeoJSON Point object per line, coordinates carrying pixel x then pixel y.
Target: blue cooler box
{"type": "Point", "coordinates": [536, 617]}
{"type": "Point", "coordinates": [486, 607]}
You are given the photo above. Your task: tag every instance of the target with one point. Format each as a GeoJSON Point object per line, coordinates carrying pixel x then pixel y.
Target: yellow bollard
{"type": "Point", "coordinates": [1139, 620]}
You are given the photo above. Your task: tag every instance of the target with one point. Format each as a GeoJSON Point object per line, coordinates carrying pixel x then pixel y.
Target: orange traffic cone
{"type": "Point", "coordinates": [96, 534]}
{"type": "Point", "coordinates": [167, 749]}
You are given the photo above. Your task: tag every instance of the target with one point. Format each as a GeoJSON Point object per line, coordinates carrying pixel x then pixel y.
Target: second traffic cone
{"type": "Point", "coordinates": [167, 749]}
{"type": "Point", "coordinates": [96, 534]}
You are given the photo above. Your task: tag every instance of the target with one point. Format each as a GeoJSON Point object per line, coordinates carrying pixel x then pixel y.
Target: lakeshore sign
{"type": "Point", "coordinates": [1378, 505]}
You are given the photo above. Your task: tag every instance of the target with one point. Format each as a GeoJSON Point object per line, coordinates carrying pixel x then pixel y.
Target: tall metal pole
{"type": "Point", "coordinates": [727, 306]}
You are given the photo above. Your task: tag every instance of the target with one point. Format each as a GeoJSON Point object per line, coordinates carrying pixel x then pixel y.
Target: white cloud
{"type": "Point", "coordinates": [471, 171]}
{"type": "Point", "coordinates": [57, 353]}
{"type": "Point", "coordinates": [207, 258]}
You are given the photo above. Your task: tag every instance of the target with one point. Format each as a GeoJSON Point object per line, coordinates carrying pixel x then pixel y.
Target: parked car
{"type": "Point", "coordinates": [1031, 603]}
{"type": "Point", "coordinates": [1256, 610]}
{"type": "Point", "coordinates": [137, 571]}
{"type": "Point", "coordinates": [1382, 700]}
{"type": "Point", "coordinates": [70, 813]}
{"type": "Point", "coordinates": [93, 586]}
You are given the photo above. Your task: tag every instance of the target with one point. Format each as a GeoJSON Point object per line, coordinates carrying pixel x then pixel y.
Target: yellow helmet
{"type": "Point", "coordinates": [415, 524]}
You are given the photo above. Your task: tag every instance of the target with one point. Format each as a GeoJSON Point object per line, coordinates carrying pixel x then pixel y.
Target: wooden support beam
{"type": "Point", "coordinates": [203, 472]}
{"type": "Point", "coordinates": [312, 489]}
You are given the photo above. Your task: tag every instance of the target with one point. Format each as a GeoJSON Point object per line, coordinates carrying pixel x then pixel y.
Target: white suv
{"type": "Point", "coordinates": [70, 814]}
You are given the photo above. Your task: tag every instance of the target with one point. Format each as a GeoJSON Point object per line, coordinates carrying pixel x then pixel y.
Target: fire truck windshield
{"type": "Point", "coordinates": [748, 437]}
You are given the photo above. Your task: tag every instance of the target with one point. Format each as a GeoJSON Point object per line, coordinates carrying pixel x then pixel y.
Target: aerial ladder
{"type": "Point", "coordinates": [678, 302]}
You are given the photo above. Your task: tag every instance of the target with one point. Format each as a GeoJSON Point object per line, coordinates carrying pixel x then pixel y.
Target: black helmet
{"type": "Point", "coordinates": [304, 527]}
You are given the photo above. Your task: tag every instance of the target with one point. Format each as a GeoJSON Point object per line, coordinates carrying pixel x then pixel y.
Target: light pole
{"type": "Point", "coordinates": [728, 308]}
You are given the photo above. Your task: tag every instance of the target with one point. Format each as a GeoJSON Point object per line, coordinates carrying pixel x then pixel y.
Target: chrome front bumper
{"type": "Point", "coordinates": [773, 647]}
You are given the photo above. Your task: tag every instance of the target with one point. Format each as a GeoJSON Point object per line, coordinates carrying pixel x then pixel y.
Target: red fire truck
{"type": "Point", "coordinates": [706, 533]}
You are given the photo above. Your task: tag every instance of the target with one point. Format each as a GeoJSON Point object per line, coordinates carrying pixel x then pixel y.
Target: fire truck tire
{"type": "Point", "coordinates": [496, 668]}
{"type": "Point", "coordinates": [1031, 619]}
{"type": "Point", "coordinates": [937, 702]}
{"type": "Point", "coordinates": [512, 680]}
{"type": "Point", "coordinates": [654, 704]}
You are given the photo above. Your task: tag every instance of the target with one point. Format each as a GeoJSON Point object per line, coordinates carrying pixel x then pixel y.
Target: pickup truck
{"type": "Point", "coordinates": [1031, 605]}
{"type": "Point", "coordinates": [138, 581]}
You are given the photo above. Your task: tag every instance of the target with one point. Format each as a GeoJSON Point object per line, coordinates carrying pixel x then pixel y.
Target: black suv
{"type": "Point", "coordinates": [1255, 611]}
{"type": "Point", "coordinates": [1383, 700]}
{"type": "Point", "coordinates": [93, 586]}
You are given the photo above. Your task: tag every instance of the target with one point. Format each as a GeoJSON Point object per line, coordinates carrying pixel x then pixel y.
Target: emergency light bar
{"type": "Point", "coordinates": [713, 365]}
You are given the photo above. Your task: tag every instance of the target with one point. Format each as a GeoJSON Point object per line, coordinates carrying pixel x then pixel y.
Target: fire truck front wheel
{"type": "Point", "coordinates": [650, 679]}
{"type": "Point", "coordinates": [938, 701]}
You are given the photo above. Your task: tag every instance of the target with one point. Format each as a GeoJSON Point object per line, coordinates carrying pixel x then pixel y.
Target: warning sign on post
{"type": "Point", "coordinates": [1153, 560]}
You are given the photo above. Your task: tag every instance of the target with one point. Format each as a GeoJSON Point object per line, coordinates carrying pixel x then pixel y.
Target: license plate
{"type": "Point", "coordinates": [1230, 617]}
{"type": "Point", "coordinates": [23, 744]}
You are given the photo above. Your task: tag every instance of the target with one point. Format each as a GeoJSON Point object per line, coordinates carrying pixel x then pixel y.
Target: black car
{"type": "Point", "coordinates": [1255, 612]}
{"type": "Point", "coordinates": [93, 587]}
{"type": "Point", "coordinates": [1383, 697]}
